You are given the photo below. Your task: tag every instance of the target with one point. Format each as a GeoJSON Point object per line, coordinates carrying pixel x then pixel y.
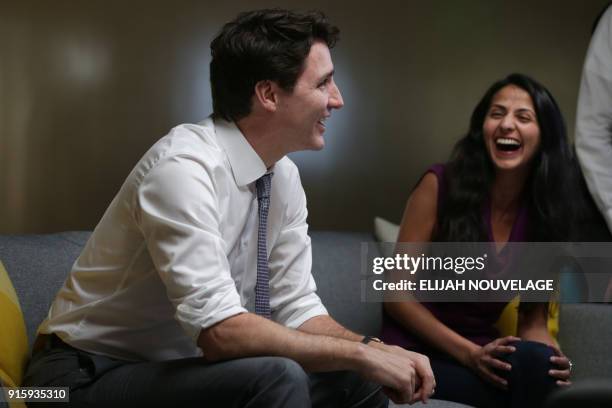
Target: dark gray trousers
{"type": "Point", "coordinates": [266, 382]}
{"type": "Point", "coordinates": [529, 382]}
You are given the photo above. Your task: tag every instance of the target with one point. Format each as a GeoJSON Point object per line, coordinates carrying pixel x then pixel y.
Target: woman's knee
{"type": "Point", "coordinates": [531, 362]}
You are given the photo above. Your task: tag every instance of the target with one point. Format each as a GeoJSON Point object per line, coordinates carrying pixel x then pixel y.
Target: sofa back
{"type": "Point", "coordinates": [585, 335]}
{"type": "Point", "coordinates": [39, 264]}
{"type": "Point", "coordinates": [336, 267]}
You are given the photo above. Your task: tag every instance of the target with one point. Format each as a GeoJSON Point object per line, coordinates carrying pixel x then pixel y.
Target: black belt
{"type": "Point", "coordinates": [45, 342]}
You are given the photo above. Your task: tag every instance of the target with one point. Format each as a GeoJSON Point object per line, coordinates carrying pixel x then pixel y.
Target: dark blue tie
{"type": "Point", "coordinates": [262, 285]}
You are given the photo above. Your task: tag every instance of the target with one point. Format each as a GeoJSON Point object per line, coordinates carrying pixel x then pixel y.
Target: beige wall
{"type": "Point", "coordinates": [87, 86]}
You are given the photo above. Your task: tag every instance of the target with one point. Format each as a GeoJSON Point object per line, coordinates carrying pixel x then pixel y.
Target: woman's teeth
{"type": "Point", "coordinates": [507, 144]}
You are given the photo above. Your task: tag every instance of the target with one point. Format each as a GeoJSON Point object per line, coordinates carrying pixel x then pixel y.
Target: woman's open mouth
{"type": "Point", "coordinates": [507, 144]}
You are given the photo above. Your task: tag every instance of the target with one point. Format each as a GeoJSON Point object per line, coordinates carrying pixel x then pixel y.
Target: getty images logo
{"type": "Point", "coordinates": [413, 264]}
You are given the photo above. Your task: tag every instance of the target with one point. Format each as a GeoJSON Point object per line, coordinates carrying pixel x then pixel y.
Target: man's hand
{"type": "Point", "coordinates": [406, 376]}
{"type": "Point", "coordinates": [397, 365]}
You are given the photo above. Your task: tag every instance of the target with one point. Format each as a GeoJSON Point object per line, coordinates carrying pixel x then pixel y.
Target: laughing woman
{"type": "Point", "coordinates": [511, 178]}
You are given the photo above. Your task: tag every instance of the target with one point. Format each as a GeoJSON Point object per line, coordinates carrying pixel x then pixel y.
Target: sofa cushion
{"type": "Point", "coordinates": [585, 331]}
{"type": "Point", "coordinates": [385, 231]}
{"type": "Point", "coordinates": [13, 338]}
{"type": "Point", "coordinates": [592, 393]}
{"type": "Point", "coordinates": [38, 266]}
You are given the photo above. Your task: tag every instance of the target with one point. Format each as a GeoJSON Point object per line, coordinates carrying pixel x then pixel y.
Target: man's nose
{"type": "Point", "coordinates": [335, 97]}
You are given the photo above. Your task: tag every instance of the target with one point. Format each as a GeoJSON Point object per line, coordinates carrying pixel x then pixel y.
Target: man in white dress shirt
{"type": "Point", "coordinates": [594, 121]}
{"type": "Point", "coordinates": [164, 305]}
{"type": "Point", "coordinates": [594, 117]}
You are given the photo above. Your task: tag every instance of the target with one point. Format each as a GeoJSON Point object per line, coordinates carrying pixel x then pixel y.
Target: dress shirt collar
{"type": "Point", "coordinates": [246, 164]}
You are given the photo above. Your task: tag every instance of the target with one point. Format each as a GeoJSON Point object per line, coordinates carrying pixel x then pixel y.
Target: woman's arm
{"type": "Point", "coordinates": [417, 225]}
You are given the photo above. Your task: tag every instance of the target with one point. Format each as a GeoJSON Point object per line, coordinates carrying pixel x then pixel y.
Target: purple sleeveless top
{"type": "Point", "coordinates": [473, 321]}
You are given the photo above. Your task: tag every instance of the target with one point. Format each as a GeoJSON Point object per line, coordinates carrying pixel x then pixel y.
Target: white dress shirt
{"type": "Point", "coordinates": [594, 117]}
{"type": "Point", "coordinates": [176, 251]}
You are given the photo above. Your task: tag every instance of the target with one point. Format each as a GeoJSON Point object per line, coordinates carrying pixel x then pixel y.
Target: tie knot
{"type": "Point", "coordinates": [263, 185]}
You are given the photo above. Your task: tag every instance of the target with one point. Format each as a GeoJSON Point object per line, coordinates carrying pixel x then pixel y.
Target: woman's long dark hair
{"type": "Point", "coordinates": [552, 191]}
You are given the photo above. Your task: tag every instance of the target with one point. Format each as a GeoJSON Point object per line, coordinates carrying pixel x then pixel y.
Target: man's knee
{"type": "Point", "coordinates": [362, 393]}
{"type": "Point", "coordinates": [287, 370]}
{"type": "Point", "coordinates": [281, 378]}
{"type": "Point", "coordinates": [345, 389]}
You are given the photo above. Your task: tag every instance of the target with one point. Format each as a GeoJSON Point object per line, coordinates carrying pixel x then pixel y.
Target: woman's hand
{"type": "Point", "coordinates": [562, 375]}
{"type": "Point", "coordinates": [485, 360]}
{"type": "Point", "coordinates": [541, 335]}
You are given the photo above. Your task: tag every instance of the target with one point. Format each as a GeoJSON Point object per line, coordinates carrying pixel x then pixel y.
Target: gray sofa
{"type": "Point", "coordinates": [38, 265]}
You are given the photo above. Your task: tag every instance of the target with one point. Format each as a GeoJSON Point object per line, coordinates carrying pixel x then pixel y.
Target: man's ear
{"type": "Point", "coordinates": [266, 93]}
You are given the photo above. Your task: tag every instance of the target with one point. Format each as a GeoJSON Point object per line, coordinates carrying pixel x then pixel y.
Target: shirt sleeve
{"type": "Point", "coordinates": [292, 287]}
{"type": "Point", "coordinates": [594, 117]}
{"type": "Point", "coordinates": [179, 217]}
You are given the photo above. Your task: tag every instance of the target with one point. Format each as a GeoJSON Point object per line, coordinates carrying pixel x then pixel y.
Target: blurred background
{"type": "Point", "coordinates": [86, 87]}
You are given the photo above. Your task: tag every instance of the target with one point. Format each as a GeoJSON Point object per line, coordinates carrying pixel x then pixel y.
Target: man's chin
{"type": "Point", "coordinates": [318, 143]}
{"type": "Point", "coordinates": [319, 146]}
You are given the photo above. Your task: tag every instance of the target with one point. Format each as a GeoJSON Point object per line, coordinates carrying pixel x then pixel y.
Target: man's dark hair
{"type": "Point", "coordinates": [269, 44]}
{"type": "Point", "coordinates": [599, 16]}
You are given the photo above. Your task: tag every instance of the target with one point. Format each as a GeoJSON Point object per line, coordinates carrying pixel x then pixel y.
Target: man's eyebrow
{"type": "Point", "coordinates": [328, 75]}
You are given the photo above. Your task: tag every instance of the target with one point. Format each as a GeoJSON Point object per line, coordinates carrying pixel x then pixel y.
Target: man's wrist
{"type": "Point", "coordinates": [359, 356]}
